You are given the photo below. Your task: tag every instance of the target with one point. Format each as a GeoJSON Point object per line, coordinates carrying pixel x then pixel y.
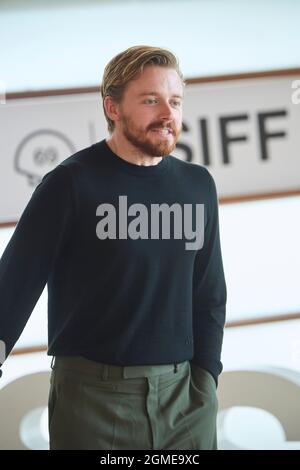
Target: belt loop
{"type": "Point", "coordinates": [104, 372]}
{"type": "Point", "coordinates": [52, 362]}
{"type": "Point", "coordinates": [175, 368]}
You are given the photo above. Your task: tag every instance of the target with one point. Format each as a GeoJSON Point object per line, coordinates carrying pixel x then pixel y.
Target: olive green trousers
{"type": "Point", "coordinates": [100, 406]}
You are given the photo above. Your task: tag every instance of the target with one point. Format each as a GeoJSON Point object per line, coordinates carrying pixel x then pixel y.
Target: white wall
{"type": "Point", "coordinates": [66, 44]}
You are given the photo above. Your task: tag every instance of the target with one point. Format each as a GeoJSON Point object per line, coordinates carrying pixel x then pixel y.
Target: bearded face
{"type": "Point", "coordinates": [150, 114]}
{"type": "Point", "coordinates": [157, 139]}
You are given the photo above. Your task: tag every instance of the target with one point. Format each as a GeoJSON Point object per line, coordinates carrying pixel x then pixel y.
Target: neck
{"type": "Point", "coordinates": [124, 149]}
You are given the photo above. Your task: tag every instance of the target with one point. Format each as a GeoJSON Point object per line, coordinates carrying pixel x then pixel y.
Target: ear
{"type": "Point", "coordinates": [111, 108]}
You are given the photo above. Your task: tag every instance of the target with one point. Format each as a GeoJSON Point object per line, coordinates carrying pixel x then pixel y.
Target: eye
{"type": "Point", "coordinates": [176, 103]}
{"type": "Point", "coordinates": [149, 101]}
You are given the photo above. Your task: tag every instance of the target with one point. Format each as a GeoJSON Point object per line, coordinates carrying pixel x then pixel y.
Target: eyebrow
{"type": "Point", "coordinates": [155, 93]}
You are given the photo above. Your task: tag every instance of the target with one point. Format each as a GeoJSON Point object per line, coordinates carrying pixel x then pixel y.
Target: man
{"type": "Point", "coordinates": [136, 309]}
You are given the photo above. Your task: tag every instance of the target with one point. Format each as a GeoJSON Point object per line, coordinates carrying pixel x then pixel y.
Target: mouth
{"type": "Point", "coordinates": [163, 131]}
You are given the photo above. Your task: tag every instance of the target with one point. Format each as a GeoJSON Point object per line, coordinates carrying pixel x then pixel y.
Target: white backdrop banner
{"type": "Point", "coordinates": [246, 131]}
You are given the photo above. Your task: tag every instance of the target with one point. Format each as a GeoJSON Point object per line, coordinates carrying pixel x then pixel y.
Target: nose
{"type": "Point", "coordinates": [166, 111]}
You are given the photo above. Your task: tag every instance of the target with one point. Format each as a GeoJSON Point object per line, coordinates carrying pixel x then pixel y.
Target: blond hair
{"type": "Point", "coordinates": [126, 65]}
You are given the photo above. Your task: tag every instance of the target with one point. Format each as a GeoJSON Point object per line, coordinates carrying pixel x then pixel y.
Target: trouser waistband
{"type": "Point", "coordinates": [106, 371]}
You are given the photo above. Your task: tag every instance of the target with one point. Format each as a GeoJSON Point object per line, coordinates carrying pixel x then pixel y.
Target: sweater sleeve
{"type": "Point", "coordinates": [209, 294]}
{"type": "Point", "coordinates": [26, 263]}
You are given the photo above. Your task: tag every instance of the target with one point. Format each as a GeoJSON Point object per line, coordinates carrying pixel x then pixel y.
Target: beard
{"type": "Point", "coordinates": [155, 147]}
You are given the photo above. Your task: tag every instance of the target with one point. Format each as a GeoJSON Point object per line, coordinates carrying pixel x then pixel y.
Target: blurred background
{"type": "Point", "coordinates": [241, 120]}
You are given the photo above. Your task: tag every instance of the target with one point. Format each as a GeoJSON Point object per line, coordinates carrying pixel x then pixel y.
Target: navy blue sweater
{"type": "Point", "coordinates": [117, 297]}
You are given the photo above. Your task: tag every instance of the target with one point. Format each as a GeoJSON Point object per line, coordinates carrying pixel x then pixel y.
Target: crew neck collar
{"type": "Point", "coordinates": [151, 170]}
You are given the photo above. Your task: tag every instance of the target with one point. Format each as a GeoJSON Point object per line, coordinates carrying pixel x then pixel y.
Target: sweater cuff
{"type": "Point", "coordinates": [210, 367]}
